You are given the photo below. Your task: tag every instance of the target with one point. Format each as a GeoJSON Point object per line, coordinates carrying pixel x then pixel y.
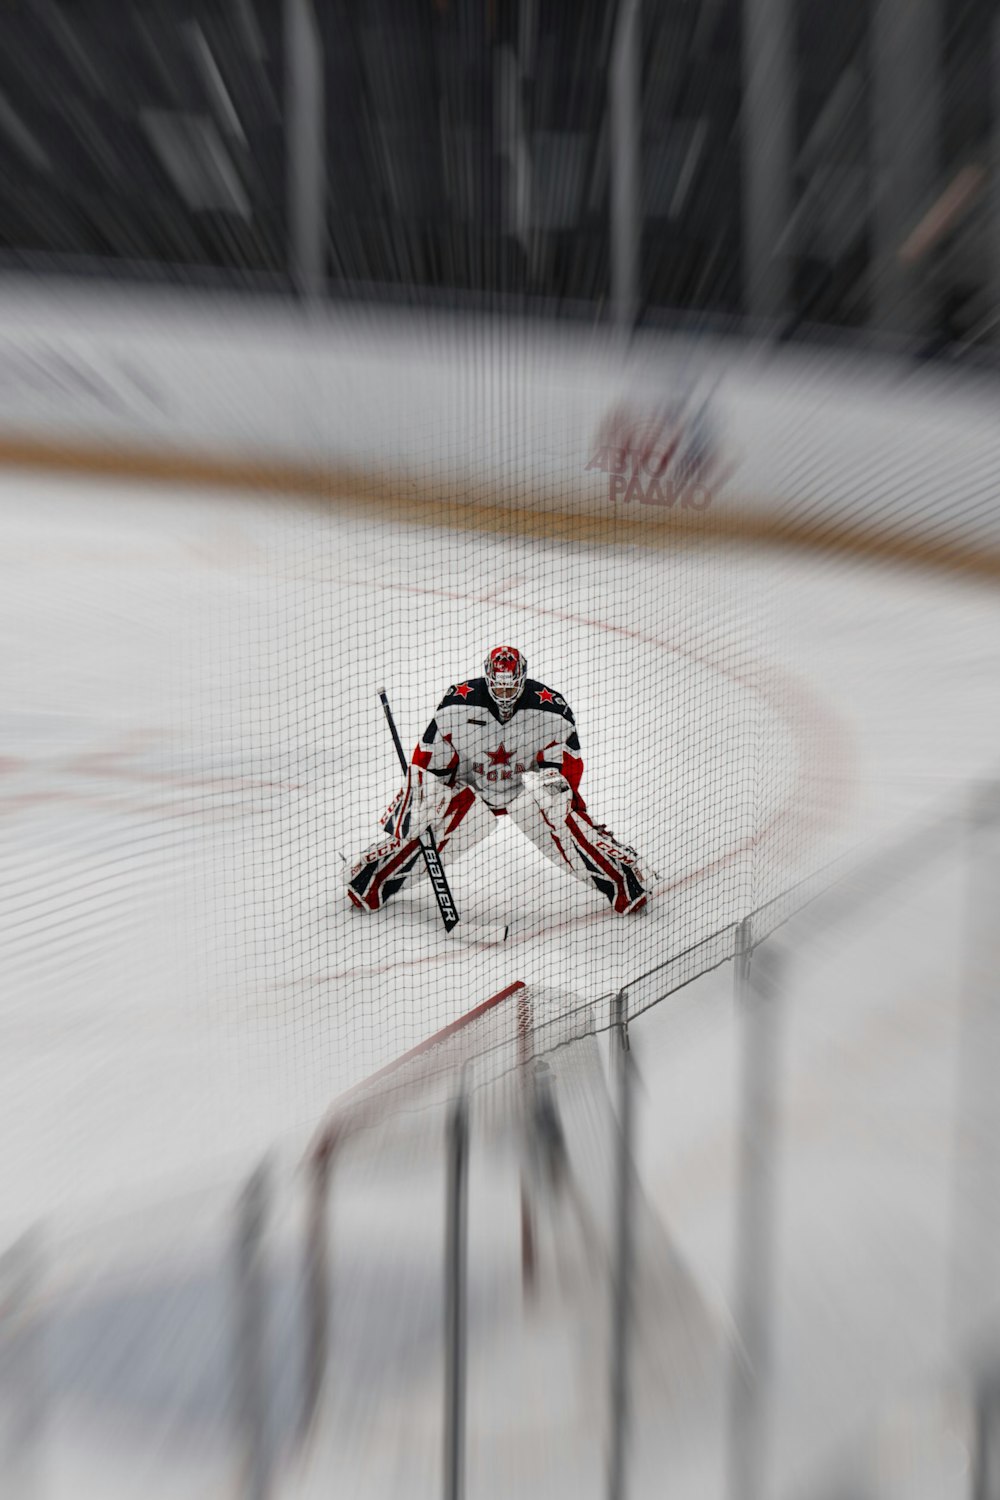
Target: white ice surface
{"type": "Point", "coordinates": [190, 737]}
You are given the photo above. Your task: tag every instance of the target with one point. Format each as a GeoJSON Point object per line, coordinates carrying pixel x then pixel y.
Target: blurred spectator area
{"type": "Point", "coordinates": [468, 152]}
{"type": "Point", "coordinates": [144, 133]}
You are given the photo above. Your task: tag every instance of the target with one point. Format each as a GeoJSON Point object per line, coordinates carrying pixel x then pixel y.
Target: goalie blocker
{"type": "Point", "coordinates": [498, 745]}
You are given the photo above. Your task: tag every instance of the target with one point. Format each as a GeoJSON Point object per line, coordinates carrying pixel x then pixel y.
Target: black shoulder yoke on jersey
{"type": "Point", "coordinates": [473, 693]}
{"type": "Point", "coordinates": [537, 695]}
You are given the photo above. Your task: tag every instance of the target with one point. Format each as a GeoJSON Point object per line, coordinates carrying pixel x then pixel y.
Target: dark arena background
{"type": "Point", "coordinates": [341, 343]}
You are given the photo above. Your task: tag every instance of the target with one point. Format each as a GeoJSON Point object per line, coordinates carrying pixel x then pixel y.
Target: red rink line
{"type": "Point", "coordinates": [328, 1133]}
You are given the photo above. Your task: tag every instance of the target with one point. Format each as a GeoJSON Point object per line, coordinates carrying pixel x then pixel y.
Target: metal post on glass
{"type": "Point", "coordinates": [251, 1333]}
{"type": "Point", "coordinates": [756, 995]}
{"type": "Point", "coordinates": [22, 1381]}
{"type": "Point", "coordinates": [621, 1285]}
{"type": "Point", "coordinates": [456, 1262]}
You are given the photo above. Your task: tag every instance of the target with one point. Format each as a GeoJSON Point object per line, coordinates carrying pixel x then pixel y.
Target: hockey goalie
{"type": "Point", "coordinates": [500, 745]}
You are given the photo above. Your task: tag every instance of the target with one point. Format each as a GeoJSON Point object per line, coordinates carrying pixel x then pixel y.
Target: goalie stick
{"type": "Point", "coordinates": [428, 844]}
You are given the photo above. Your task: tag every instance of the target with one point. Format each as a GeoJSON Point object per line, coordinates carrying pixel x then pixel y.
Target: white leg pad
{"type": "Point", "coordinates": [591, 854]}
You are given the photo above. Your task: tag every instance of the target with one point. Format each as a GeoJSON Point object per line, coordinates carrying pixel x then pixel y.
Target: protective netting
{"type": "Point", "coordinates": [877, 1308]}
{"type": "Point", "coordinates": [122, 1365]}
{"type": "Point", "coordinates": [485, 1052]}
{"type": "Point", "coordinates": [543, 1139]}
{"type": "Point", "coordinates": [744, 717]}
{"type": "Point", "coordinates": [699, 749]}
{"type": "Point", "coordinates": [194, 744]}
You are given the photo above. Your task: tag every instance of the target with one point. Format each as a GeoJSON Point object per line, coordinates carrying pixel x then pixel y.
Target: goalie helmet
{"type": "Point", "coordinates": [505, 669]}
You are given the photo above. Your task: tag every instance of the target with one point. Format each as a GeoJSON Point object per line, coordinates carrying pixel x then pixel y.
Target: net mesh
{"type": "Point", "coordinates": [485, 1054]}
{"type": "Point", "coordinates": [736, 725]}
{"type": "Point", "coordinates": [542, 1130]}
{"type": "Point", "coordinates": [699, 749]}
{"type": "Point", "coordinates": [193, 742]}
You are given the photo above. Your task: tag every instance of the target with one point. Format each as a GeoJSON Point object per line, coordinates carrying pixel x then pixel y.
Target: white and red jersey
{"type": "Point", "coordinates": [468, 744]}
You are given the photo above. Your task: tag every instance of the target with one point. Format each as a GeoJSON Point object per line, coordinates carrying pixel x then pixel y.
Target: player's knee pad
{"type": "Point", "coordinates": [545, 825]}
{"type": "Point", "coordinates": [464, 821]}
{"type": "Point", "coordinates": [417, 805]}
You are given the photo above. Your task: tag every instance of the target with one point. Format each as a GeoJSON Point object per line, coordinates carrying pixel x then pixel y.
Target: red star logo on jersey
{"type": "Point", "coordinates": [463, 690]}
{"type": "Point", "coordinates": [544, 696]}
{"type": "Point", "coordinates": [500, 757]}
